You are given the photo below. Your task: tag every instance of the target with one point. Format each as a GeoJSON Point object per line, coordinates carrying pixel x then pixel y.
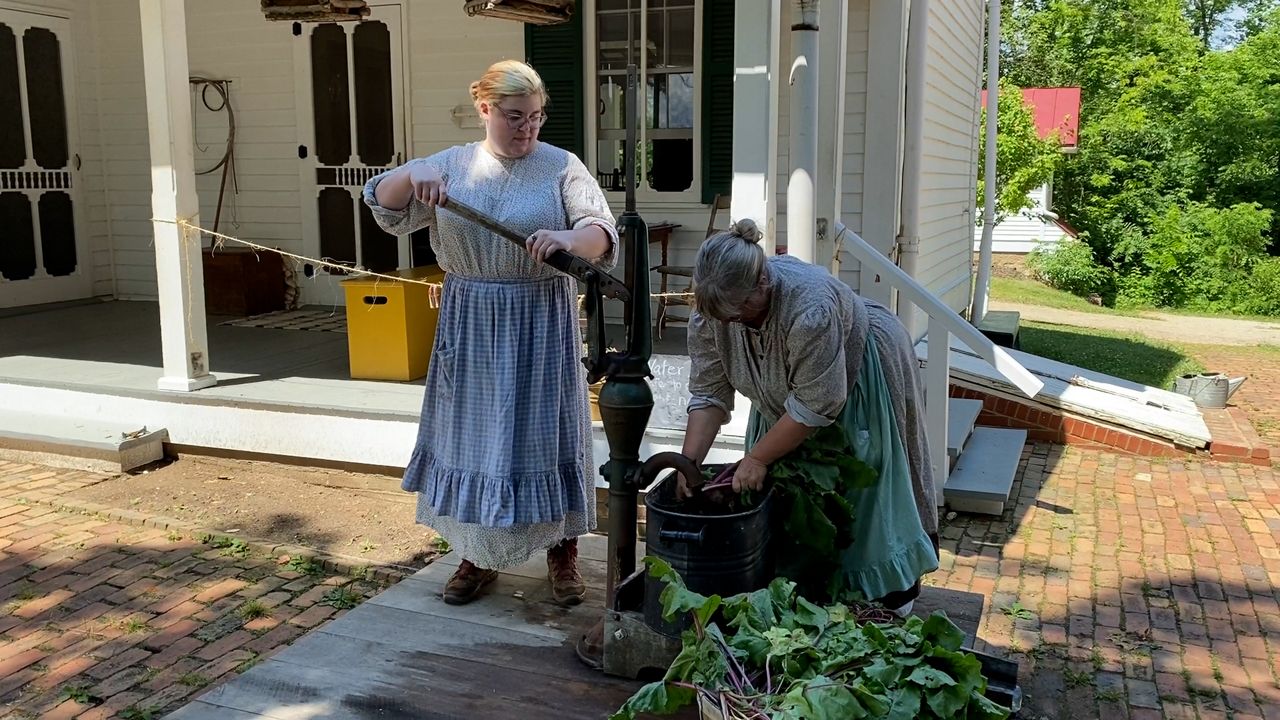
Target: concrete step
{"type": "Point", "coordinates": [79, 443]}
{"type": "Point", "coordinates": [983, 476]}
{"type": "Point", "coordinates": [962, 415]}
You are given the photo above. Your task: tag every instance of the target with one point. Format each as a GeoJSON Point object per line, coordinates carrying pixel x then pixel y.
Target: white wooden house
{"type": "Point", "coordinates": [76, 123]}
{"type": "Point", "coordinates": [1057, 115]}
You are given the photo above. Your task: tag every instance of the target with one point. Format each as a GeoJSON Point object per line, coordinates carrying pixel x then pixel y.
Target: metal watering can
{"type": "Point", "coordinates": [1208, 390]}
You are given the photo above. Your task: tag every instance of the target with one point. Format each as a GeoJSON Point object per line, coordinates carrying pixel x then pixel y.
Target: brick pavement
{"type": "Point", "coordinates": [1130, 587]}
{"type": "Point", "coordinates": [1126, 587]}
{"type": "Point", "coordinates": [100, 618]}
{"type": "Point", "coordinates": [1259, 397]}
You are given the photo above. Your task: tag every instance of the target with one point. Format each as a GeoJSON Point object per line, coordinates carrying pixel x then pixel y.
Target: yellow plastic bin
{"type": "Point", "coordinates": [391, 325]}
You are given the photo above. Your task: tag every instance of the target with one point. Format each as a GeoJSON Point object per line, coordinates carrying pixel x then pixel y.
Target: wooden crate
{"type": "Point", "coordinates": [240, 282]}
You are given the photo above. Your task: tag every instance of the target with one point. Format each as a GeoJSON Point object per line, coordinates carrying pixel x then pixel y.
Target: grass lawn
{"type": "Point", "coordinates": [1124, 355]}
{"type": "Point", "coordinates": [1031, 292]}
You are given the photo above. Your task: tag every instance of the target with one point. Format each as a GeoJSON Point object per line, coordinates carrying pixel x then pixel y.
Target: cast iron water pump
{"type": "Point", "coordinates": [626, 400]}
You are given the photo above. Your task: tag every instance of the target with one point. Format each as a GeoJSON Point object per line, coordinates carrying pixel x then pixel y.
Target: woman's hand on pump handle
{"type": "Point", "coordinates": [429, 189]}
{"type": "Point", "coordinates": [428, 185]}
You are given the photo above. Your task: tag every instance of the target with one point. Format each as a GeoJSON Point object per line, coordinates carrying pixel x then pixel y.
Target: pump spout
{"type": "Point", "coordinates": [670, 461]}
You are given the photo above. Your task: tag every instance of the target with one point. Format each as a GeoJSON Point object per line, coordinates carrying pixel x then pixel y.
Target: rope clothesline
{"type": "Point", "coordinates": [220, 240]}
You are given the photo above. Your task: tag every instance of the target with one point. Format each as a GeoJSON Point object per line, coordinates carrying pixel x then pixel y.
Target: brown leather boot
{"type": "Point", "coordinates": [466, 583]}
{"type": "Point", "coordinates": [567, 587]}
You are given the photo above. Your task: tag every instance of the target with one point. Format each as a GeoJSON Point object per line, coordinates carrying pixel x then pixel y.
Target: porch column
{"type": "Point", "coordinates": [180, 273]}
{"type": "Point", "coordinates": [833, 39]}
{"type": "Point", "coordinates": [882, 155]}
{"type": "Point", "coordinates": [802, 121]}
{"type": "Point", "coordinates": [756, 87]}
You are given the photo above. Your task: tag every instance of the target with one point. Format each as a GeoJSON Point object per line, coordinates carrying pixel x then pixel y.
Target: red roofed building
{"type": "Point", "coordinates": [1056, 112]}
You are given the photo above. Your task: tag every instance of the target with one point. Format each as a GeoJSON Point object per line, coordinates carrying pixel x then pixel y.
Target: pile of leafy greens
{"type": "Point", "coordinates": [786, 658]}
{"type": "Point", "coordinates": [814, 487]}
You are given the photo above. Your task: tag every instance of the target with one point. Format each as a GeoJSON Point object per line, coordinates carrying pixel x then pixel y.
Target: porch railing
{"type": "Point", "coordinates": [943, 323]}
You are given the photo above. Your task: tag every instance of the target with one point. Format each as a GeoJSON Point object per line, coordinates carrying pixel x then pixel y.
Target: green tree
{"type": "Point", "coordinates": [1024, 161]}
{"type": "Point", "coordinates": [1179, 148]}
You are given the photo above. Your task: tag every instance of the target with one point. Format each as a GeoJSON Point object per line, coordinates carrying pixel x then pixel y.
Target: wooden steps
{"type": "Point", "coordinates": [983, 476]}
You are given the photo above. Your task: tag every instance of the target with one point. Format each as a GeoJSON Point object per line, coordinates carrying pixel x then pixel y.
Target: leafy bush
{"type": "Point", "coordinates": [1198, 257]}
{"type": "Point", "coordinates": [1261, 294]}
{"type": "Point", "coordinates": [1070, 267]}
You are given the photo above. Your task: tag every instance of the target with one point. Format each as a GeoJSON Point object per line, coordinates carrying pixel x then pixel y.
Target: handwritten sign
{"type": "Point", "coordinates": [670, 385]}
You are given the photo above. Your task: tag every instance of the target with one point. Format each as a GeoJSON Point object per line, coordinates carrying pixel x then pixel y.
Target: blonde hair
{"type": "Point", "coordinates": [728, 269]}
{"type": "Point", "coordinates": [507, 78]}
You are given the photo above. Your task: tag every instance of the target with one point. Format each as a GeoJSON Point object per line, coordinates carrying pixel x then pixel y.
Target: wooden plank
{"type": "Point", "coordinates": [200, 710]}
{"type": "Point", "coordinates": [963, 608]}
{"type": "Point", "coordinates": [409, 631]}
{"type": "Point", "coordinates": [530, 612]}
{"type": "Point", "coordinates": [385, 683]}
{"type": "Point", "coordinates": [528, 654]}
{"type": "Point", "coordinates": [594, 572]}
{"type": "Point", "coordinates": [1046, 367]}
{"type": "Point", "coordinates": [1110, 407]}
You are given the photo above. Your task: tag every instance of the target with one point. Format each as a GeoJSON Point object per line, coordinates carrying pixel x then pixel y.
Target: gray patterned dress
{"type": "Point", "coordinates": [502, 465]}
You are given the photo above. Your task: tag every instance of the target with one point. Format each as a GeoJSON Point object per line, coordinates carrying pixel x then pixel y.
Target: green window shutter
{"type": "Point", "coordinates": [717, 98]}
{"type": "Point", "coordinates": [555, 51]}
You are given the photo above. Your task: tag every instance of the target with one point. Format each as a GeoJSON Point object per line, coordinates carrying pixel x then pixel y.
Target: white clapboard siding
{"type": "Point", "coordinates": [1025, 231]}
{"type": "Point", "coordinates": [949, 175]}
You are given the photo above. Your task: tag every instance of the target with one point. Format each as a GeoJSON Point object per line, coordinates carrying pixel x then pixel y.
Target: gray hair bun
{"type": "Point", "coordinates": [747, 230]}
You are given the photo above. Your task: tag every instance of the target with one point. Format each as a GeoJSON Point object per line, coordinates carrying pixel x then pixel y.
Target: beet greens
{"type": "Point", "coordinates": [785, 658]}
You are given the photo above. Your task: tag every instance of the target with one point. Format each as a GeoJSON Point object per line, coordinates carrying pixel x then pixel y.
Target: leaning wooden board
{"type": "Point", "coordinates": [1153, 411]}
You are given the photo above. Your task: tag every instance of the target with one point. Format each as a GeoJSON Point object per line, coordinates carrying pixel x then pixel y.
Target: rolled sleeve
{"type": "Point", "coordinates": [817, 378]}
{"type": "Point", "coordinates": [416, 215]}
{"type": "Point", "coordinates": [709, 384]}
{"type": "Point", "coordinates": [585, 205]}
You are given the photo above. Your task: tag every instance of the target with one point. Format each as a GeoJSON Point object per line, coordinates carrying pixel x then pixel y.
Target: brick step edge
{"type": "Point", "coordinates": [384, 574]}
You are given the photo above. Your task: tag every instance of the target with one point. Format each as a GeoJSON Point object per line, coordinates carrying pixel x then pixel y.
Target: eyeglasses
{"type": "Point", "coordinates": [518, 121]}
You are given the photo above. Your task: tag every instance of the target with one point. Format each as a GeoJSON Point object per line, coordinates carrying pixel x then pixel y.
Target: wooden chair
{"type": "Point", "coordinates": [667, 270]}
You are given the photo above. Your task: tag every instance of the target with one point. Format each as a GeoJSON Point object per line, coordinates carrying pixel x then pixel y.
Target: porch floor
{"type": "Point", "coordinates": [116, 346]}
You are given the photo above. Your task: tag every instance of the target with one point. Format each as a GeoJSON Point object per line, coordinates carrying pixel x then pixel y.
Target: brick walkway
{"type": "Point", "coordinates": [102, 619]}
{"type": "Point", "coordinates": [1259, 397]}
{"type": "Point", "coordinates": [1125, 588]}
{"type": "Point", "coordinates": [1130, 587]}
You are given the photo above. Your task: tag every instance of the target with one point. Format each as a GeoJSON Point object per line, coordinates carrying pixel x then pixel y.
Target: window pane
{"type": "Point", "coordinates": [18, 241]}
{"type": "Point", "coordinates": [57, 233]}
{"type": "Point", "coordinates": [13, 142]}
{"type": "Point", "coordinates": [615, 35]}
{"type": "Point", "coordinates": [613, 4]}
{"type": "Point", "coordinates": [680, 38]}
{"type": "Point", "coordinates": [375, 131]}
{"type": "Point", "coordinates": [656, 47]}
{"type": "Point", "coordinates": [43, 56]}
{"type": "Point", "coordinates": [331, 96]}
{"type": "Point", "coordinates": [670, 97]}
{"type": "Point", "coordinates": [612, 102]}
{"type": "Point", "coordinates": [609, 164]}
{"type": "Point", "coordinates": [670, 164]}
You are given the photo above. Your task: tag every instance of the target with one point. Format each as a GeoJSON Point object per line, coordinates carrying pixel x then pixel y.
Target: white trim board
{"type": "Point", "coordinates": [1151, 411]}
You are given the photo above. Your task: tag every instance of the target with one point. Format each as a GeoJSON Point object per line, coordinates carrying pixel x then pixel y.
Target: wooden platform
{"type": "Point", "coordinates": [406, 655]}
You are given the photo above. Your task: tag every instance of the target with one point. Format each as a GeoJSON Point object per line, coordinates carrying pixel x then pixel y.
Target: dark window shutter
{"type": "Point", "coordinates": [556, 51]}
{"type": "Point", "coordinates": [717, 98]}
